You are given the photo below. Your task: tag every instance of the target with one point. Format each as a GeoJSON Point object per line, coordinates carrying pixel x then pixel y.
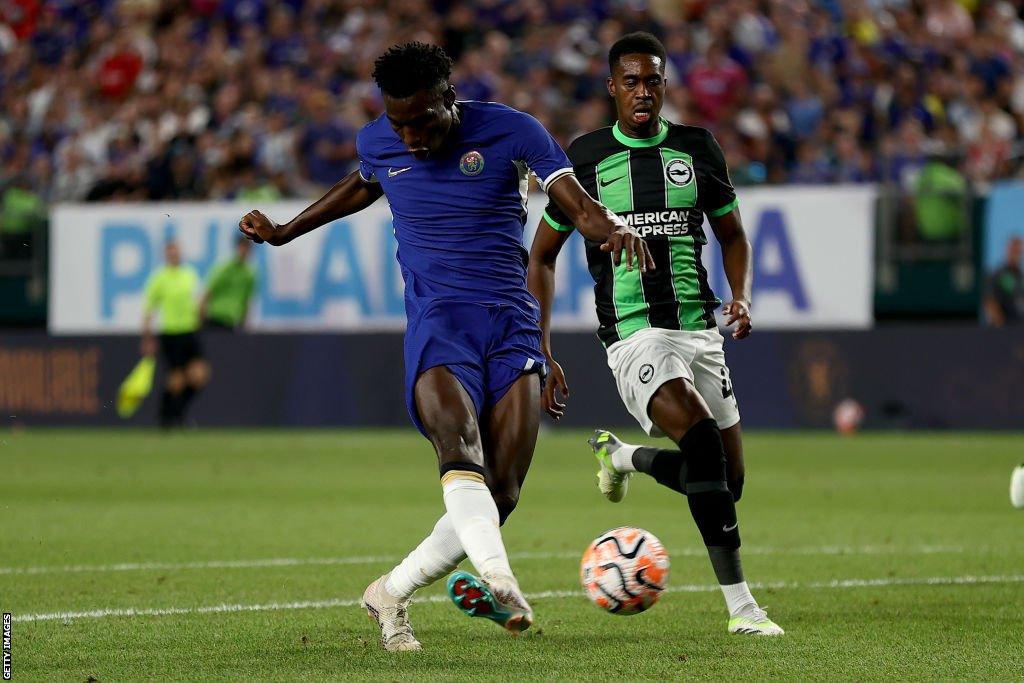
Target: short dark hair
{"type": "Point", "coordinates": [405, 70]}
{"type": "Point", "coordinates": [638, 43]}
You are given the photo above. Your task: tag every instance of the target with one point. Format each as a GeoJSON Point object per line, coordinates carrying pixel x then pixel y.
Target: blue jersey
{"type": "Point", "coordinates": [459, 215]}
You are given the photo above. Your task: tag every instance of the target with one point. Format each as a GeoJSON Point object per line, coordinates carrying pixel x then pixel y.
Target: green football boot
{"type": "Point", "coordinates": [612, 484]}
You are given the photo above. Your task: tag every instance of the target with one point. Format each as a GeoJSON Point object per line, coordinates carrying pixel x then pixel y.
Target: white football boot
{"type": "Point", "coordinates": [752, 620]}
{"type": "Point", "coordinates": [391, 615]}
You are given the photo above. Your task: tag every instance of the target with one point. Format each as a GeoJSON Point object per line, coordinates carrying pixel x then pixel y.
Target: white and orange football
{"type": "Point", "coordinates": [624, 570]}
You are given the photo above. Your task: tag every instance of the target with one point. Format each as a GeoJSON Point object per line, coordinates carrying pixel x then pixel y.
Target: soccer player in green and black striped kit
{"type": "Point", "coordinates": [658, 327]}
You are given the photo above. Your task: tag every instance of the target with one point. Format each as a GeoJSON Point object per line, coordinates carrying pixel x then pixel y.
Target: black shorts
{"type": "Point", "coordinates": [180, 349]}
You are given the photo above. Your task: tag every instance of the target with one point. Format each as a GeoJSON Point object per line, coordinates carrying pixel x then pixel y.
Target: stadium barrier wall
{"type": "Point", "coordinates": [934, 377]}
{"type": "Point", "coordinates": [813, 264]}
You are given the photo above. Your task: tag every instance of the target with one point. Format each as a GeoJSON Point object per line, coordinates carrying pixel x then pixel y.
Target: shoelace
{"type": "Point", "coordinates": [401, 630]}
{"type": "Point", "coordinates": [758, 614]}
{"type": "Point", "coordinates": [508, 596]}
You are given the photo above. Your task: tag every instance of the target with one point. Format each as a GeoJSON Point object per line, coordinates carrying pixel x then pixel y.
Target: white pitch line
{"type": "Point", "coordinates": [382, 559]}
{"type": "Point", "coordinates": [686, 588]}
{"type": "Point", "coordinates": [213, 564]}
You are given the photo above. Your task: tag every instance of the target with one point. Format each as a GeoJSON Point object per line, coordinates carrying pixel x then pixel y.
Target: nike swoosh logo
{"type": "Point", "coordinates": [730, 528]}
{"type": "Point", "coordinates": [392, 172]}
{"type": "Point", "coordinates": [609, 182]}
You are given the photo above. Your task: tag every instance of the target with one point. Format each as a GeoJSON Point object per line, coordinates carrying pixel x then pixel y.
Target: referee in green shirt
{"type": "Point", "coordinates": [225, 305]}
{"type": "Point", "coordinates": [172, 292]}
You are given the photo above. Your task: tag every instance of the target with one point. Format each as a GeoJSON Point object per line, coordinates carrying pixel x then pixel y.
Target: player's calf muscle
{"type": "Point", "coordinates": [506, 500]}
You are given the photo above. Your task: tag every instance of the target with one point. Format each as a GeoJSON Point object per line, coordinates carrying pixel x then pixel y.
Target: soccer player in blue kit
{"type": "Point", "coordinates": [455, 174]}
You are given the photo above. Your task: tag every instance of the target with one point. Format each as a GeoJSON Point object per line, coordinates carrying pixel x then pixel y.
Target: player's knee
{"type": "Point", "coordinates": [197, 374]}
{"type": "Point", "coordinates": [456, 440]}
{"type": "Point", "coordinates": [176, 381]}
{"type": "Point", "coordinates": [506, 501]}
{"type": "Point", "coordinates": [705, 455]}
{"type": "Point", "coordinates": [676, 408]}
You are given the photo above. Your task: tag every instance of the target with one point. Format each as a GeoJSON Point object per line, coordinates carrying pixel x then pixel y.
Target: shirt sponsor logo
{"type": "Point", "coordinates": [679, 173]}
{"type": "Point", "coordinates": [666, 223]}
{"type": "Point", "coordinates": [472, 163]}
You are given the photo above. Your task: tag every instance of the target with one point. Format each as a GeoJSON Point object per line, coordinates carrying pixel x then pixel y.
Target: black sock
{"type": "Point", "coordinates": [727, 566]}
{"type": "Point", "coordinates": [711, 503]}
{"type": "Point", "coordinates": [168, 408]}
{"type": "Point", "coordinates": [186, 398]}
{"type": "Point", "coordinates": [660, 463]}
{"type": "Point", "coordinates": [736, 488]}
{"type": "Point", "coordinates": [697, 470]}
{"type": "Point", "coordinates": [668, 467]}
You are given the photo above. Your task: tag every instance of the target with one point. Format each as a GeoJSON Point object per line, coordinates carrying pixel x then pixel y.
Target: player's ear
{"type": "Point", "coordinates": [610, 82]}
{"type": "Point", "coordinates": [449, 96]}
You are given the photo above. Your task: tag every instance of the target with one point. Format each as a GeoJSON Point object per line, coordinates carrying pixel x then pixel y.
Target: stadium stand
{"type": "Point", "coordinates": [179, 99]}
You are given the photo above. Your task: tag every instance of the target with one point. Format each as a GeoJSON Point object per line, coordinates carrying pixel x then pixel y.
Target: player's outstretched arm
{"type": "Point", "coordinates": [349, 195]}
{"type": "Point", "coordinates": [547, 243]}
{"type": "Point", "coordinates": [598, 224]}
{"type": "Point", "coordinates": [736, 257]}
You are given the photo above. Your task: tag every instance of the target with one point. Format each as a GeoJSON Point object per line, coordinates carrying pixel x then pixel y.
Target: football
{"type": "Point", "coordinates": [624, 570]}
{"type": "Point", "coordinates": [848, 417]}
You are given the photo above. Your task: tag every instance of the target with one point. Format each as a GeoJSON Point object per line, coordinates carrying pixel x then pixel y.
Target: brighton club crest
{"type": "Point", "coordinates": [679, 173]}
{"type": "Point", "coordinates": [472, 163]}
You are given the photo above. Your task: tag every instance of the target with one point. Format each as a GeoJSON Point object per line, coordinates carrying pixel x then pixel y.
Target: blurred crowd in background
{"type": "Point", "coordinates": [258, 100]}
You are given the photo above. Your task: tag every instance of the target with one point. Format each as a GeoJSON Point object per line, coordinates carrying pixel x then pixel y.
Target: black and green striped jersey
{"type": "Point", "coordinates": [662, 186]}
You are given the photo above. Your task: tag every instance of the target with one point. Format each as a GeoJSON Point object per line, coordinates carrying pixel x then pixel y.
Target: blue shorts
{"type": "Point", "coordinates": [486, 346]}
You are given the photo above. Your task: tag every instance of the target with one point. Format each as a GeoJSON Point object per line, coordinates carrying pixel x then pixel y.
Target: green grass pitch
{"type": "Point", "coordinates": [883, 556]}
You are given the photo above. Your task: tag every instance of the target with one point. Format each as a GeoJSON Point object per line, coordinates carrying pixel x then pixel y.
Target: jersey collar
{"type": "Point", "coordinates": [641, 142]}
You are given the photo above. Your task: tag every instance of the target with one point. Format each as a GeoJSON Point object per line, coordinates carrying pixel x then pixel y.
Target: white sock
{"type": "Point", "coordinates": [622, 459]}
{"type": "Point", "coordinates": [737, 596]}
{"type": "Point", "coordinates": [435, 556]}
{"type": "Point", "coordinates": [474, 516]}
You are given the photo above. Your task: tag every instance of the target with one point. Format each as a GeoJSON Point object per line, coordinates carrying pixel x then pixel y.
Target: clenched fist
{"type": "Point", "coordinates": [258, 228]}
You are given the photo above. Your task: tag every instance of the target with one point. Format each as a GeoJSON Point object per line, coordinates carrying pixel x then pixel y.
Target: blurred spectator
{"type": "Point", "coordinates": [22, 211]}
{"type": "Point", "coordinates": [812, 167]}
{"type": "Point", "coordinates": [326, 147]}
{"type": "Point", "coordinates": [715, 82]}
{"type": "Point", "coordinates": [192, 99]}
{"type": "Point", "coordinates": [1004, 300]}
{"type": "Point", "coordinates": [939, 202]}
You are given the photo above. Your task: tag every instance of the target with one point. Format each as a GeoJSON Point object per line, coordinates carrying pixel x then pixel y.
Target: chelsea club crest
{"type": "Point", "coordinates": [471, 163]}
